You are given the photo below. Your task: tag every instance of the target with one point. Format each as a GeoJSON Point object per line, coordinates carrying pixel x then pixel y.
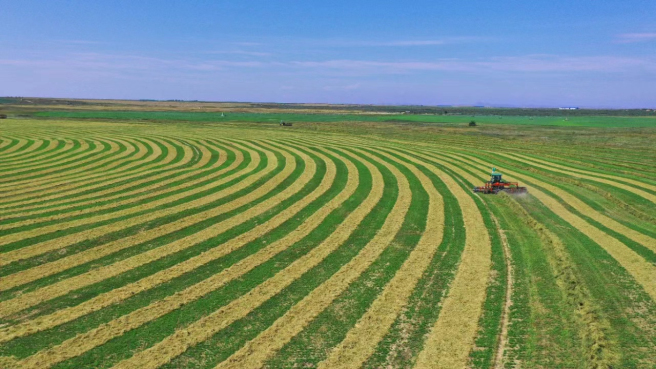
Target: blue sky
{"type": "Point", "coordinates": [510, 53]}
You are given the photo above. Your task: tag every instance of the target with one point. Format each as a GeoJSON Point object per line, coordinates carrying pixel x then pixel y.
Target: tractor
{"type": "Point", "coordinates": [497, 184]}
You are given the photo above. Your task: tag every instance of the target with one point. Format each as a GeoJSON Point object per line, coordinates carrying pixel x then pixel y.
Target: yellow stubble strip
{"type": "Point", "coordinates": [361, 341]}
{"type": "Point", "coordinates": [267, 343]}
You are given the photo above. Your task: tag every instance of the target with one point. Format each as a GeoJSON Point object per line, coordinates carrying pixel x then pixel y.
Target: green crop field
{"type": "Point", "coordinates": [173, 239]}
{"type": "Point", "coordinates": [561, 120]}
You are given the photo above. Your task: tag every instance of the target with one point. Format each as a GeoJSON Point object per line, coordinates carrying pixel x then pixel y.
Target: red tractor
{"type": "Point", "coordinates": [497, 184]}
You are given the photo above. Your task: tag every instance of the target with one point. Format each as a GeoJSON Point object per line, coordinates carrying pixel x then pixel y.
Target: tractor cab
{"type": "Point", "coordinates": [496, 176]}
{"type": "Point", "coordinates": [496, 184]}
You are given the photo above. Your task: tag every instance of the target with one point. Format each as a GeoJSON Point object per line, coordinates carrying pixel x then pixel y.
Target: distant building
{"type": "Point", "coordinates": [569, 108]}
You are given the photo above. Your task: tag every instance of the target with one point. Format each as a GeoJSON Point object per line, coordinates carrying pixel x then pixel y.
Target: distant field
{"type": "Point", "coordinates": [236, 244]}
{"type": "Point", "coordinates": [574, 121]}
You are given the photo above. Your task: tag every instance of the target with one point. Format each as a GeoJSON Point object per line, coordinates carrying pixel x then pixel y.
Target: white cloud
{"type": "Point", "coordinates": [240, 52]}
{"type": "Point", "coordinates": [402, 43]}
{"type": "Point", "coordinates": [630, 38]}
{"type": "Point", "coordinates": [530, 63]}
{"type": "Point", "coordinates": [350, 87]}
{"type": "Point", "coordinates": [142, 66]}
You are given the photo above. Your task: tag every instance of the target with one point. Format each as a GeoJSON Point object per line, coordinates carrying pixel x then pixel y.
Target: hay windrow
{"type": "Point", "coordinates": [643, 271]}
{"type": "Point", "coordinates": [82, 151]}
{"type": "Point", "coordinates": [47, 155]}
{"type": "Point", "coordinates": [99, 165]}
{"type": "Point", "coordinates": [626, 206]}
{"type": "Point", "coordinates": [86, 341]}
{"type": "Point", "coordinates": [43, 247]}
{"type": "Point", "coordinates": [13, 237]}
{"type": "Point", "coordinates": [16, 150]}
{"type": "Point", "coordinates": [57, 175]}
{"type": "Point", "coordinates": [577, 204]}
{"type": "Point", "coordinates": [107, 178]}
{"type": "Point", "coordinates": [97, 336]}
{"type": "Point", "coordinates": [108, 161]}
{"type": "Point", "coordinates": [95, 275]}
{"type": "Point", "coordinates": [6, 141]}
{"type": "Point", "coordinates": [242, 267]}
{"type": "Point", "coordinates": [578, 172]}
{"type": "Point", "coordinates": [452, 337]}
{"type": "Point", "coordinates": [82, 285]}
{"type": "Point", "coordinates": [9, 362]}
{"type": "Point", "coordinates": [258, 350]}
{"type": "Point", "coordinates": [119, 191]}
{"type": "Point", "coordinates": [34, 155]}
{"type": "Point", "coordinates": [360, 342]}
{"type": "Point", "coordinates": [69, 148]}
{"type": "Point", "coordinates": [599, 349]}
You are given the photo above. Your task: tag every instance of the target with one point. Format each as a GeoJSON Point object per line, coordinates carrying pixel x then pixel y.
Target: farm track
{"type": "Point", "coordinates": [94, 221]}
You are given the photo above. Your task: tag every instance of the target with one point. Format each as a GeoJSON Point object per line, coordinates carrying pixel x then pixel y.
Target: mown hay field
{"type": "Point", "coordinates": [131, 244]}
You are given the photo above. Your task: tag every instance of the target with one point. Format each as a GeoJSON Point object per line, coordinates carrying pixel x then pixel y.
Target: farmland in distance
{"type": "Point", "coordinates": [191, 235]}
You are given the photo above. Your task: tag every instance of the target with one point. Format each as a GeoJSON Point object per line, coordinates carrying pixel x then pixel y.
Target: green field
{"type": "Point", "coordinates": [176, 239]}
{"type": "Point", "coordinates": [559, 121]}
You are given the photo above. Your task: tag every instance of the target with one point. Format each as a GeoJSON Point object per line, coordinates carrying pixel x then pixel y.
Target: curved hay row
{"type": "Point", "coordinates": [5, 142]}
{"type": "Point", "coordinates": [125, 162]}
{"type": "Point", "coordinates": [201, 149]}
{"type": "Point", "coordinates": [65, 147]}
{"type": "Point", "coordinates": [98, 336]}
{"type": "Point", "coordinates": [41, 158]}
{"type": "Point", "coordinates": [591, 176]}
{"type": "Point", "coordinates": [575, 203]}
{"type": "Point", "coordinates": [38, 155]}
{"type": "Point", "coordinates": [24, 145]}
{"type": "Point", "coordinates": [58, 243]}
{"type": "Point", "coordinates": [66, 200]}
{"type": "Point", "coordinates": [72, 147]}
{"type": "Point", "coordinates": [361, 341]}
{"type": "Point", "coordinates": [268, 342]}
{"type": "Point", "coordinates": [83, 150]}
{"type": "Point", "coordinates": [74, 223]}
{"type": "Point", "coordinates": [96, 275]}
{"type": "Point", "coordinates": [93, 276]}
{"type": "Point", "coordinates": [235, 271]}
{"type": "Point", "coordinates": [108, 156]}
{"type": "Point", "coordinates": [641, 270]}
{"type": "Point", "coordinates": [116, 192]}
{"type": "Point", "coordinates": [25, 196]}
{"type": "Point", "coordinates": [16, 143]}
{"type": "Point", "coordinates": [127, 154]}
{"type": "Point", "coordinates": [452, 337]}
{"type": "Point", "coordinates": [123, 191]}
{"type": "Point", "coordinates": [100, 160]}
{"type": "Point", "coordinates": [577, 172]}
